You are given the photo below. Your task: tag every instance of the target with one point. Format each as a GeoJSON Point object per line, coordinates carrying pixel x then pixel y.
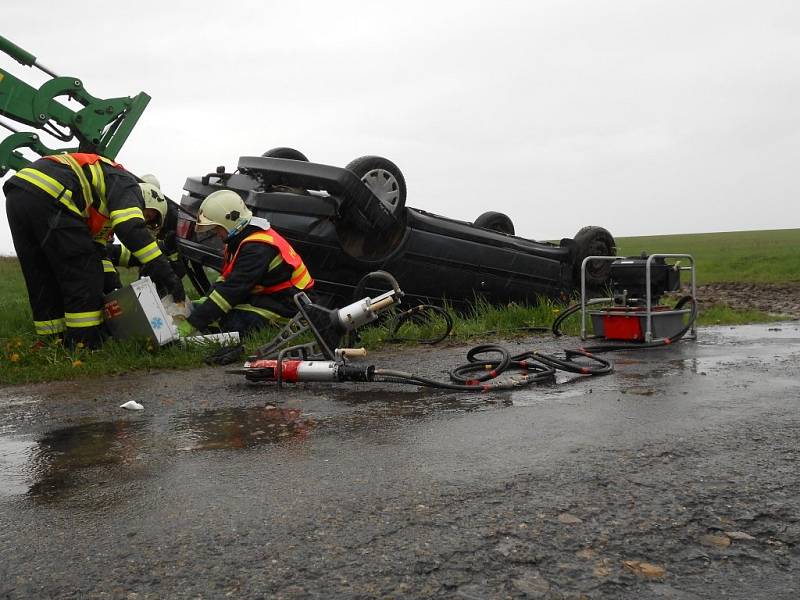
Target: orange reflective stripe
{"type": "Point", "coordinates": [300, 276]}
{"type": "Point", "coordinates": [84, 158]}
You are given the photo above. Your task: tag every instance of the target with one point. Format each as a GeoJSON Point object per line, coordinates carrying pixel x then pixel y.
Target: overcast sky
{"type": "Point", "coordinates": [645, 117]}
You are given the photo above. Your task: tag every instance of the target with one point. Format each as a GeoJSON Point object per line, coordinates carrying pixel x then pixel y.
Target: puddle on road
{"type": "Point", "coordinates": [13, 457]}
{"type": "Point", "coordinates": [237, 428]}
{"type": "Point", "coordinates": [107, 454]}
{"type": "Point", "coordinates": [49, 467]}
{"type": "Point", "coordinates": [759, 332]}
{"type": "Point", "coordinates": [17, 409]}
{"type": "Point", "coordinates": [420, 403]}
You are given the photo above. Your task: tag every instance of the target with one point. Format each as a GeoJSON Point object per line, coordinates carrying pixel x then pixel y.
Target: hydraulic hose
{"type": "Point", "coordinates": [568, 312]}
{"type": "Point", "coordinates": [487, 362]}
{"type": "Point", "coordinates": [420, 313]}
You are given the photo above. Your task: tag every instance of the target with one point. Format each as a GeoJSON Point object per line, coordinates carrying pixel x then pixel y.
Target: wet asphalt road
{"type": "Point", "coordinates": [675, 477]}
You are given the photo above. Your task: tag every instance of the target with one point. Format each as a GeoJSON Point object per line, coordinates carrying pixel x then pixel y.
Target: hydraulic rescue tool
{"type": "Point", "coordinates": [101, 126]}
{"type": "Point", "coordinates": [322, 360]}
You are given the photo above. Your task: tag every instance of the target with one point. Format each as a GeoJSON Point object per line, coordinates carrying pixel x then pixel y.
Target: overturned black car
{"type": "Point", "coordinates": [348, 222]}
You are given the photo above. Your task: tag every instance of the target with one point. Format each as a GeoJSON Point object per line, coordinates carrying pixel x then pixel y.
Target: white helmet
{"type": "Point", "coordinates": [154, 198]}
{"type": "Point", "coordinates": [151, 179]}
{"type": "Point", "coordinates": [226, 209]}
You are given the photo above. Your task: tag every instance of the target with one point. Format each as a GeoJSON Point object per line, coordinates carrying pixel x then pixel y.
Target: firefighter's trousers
{"type": "Point", "coordinates": [62, 268]}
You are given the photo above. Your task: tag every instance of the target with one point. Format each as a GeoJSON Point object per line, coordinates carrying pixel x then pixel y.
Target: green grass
{"type": "Point", "coordinates": [752, 256]}
{"type": "Point", "coordinates": [758, 256]}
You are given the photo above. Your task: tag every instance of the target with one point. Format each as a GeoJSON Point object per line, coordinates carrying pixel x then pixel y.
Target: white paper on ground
{"type": "Point", "coordinates": [132, 405]}
{"type": "Point", "coordinates": [229, 338]}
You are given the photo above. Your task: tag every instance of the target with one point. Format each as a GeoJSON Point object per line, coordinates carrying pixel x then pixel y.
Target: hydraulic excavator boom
{"type": "Point", "coordinates": [101, 126]}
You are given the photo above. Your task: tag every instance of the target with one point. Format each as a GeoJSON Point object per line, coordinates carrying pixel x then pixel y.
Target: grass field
{"type": "Point", "coordinates": [759, 256]}
{"type": "Point", "coordinates": [753, 256]}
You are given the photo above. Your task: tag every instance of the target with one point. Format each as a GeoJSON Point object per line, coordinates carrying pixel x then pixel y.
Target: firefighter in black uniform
{"type": "Point", "coordinates": [61, 211]}
{"type": "Point", "coordinates": [261, 272]}
{"type": "Point", "coordinates": [163, 227]}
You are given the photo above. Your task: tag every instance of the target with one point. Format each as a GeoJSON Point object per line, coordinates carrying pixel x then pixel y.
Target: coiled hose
{"type": "Point", "coordinates": [477, 374]}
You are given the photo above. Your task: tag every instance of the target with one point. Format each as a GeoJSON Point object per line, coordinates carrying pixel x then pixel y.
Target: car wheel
{"type": "Point", "coordinates": [496, 222]}
{"type": "Point", "coordinates": [594, 241]}
{"type": "Point", "coordinates": [384, 179]}
{"type": "Point", "coordinates": [288, 153]}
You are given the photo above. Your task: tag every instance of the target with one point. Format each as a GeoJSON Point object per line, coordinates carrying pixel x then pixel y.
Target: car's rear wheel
{"type": "Point", "coordinates": [384, 179]}
{"type": "Point", "coordinates": [594, 241]}
{"type": "Point", "coordinates": [288, 153]}
{"type": "Point", "coordinates": [495, 221]}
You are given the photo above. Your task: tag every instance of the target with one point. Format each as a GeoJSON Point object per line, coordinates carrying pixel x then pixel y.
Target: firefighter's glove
{"type": "Point", "coordinates": [178, 293]}
{"type": "Point", "coordinates": [185, 329]}
{"type": "Point", "coordinates": [161, 273]}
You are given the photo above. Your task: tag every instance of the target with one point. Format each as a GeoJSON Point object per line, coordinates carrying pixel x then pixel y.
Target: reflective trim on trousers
{"type": "Point", "coordinates": [90, 318]}
{"type": "Point", "coordinates": [50, 327]}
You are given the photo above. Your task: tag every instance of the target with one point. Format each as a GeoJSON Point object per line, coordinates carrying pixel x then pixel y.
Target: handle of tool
{"type": "Point", "coordinates": [353, 352]}
{"type": "Point", "coordinates": [381, 304]}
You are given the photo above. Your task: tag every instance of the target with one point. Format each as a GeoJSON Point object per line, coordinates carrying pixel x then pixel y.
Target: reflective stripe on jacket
{"type": "Point", "coordinates": [92, 205]}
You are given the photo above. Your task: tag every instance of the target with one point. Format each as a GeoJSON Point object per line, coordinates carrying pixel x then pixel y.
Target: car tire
{"type": "Point", "coordinates": [495, 221]}
{"type": "Point", "coordinates": [384, 179]}
{"type": "Point", "coordinates": [288, 153]}
{"type": "Point", "coordinates": [594, 241]}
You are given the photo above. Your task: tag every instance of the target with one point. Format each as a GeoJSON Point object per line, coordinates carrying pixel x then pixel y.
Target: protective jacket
{"type": "Point", "coordinates": [98, 191]}
{"type": "Point", "coordinates": [61, 210]}
{"type": "Point", "coordinates": [261, 274]}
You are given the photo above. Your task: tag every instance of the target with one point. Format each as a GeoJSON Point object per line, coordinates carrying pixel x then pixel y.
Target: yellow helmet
{"type": "Point", "coordinates": [152, 179]}
{"type": "Point", "coordinates": [226, 209]}
{"type": "Point", "coordinates": [154, 198]}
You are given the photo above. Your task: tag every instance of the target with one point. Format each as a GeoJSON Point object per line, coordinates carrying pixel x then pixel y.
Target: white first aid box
{"type": "Point", "coordinates": [135, 312]}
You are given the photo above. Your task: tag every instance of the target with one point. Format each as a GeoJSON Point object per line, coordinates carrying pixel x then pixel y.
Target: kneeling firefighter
{"type": "Point", "coordinates": [61, 211]}
{"type": "Point", "coordinates": [162, 224]}
{"type": "Point", "coordinates": [261, 272]}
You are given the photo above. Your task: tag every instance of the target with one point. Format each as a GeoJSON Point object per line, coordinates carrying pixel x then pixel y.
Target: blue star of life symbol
{"type": "Point", "coordinates": [157, 322]}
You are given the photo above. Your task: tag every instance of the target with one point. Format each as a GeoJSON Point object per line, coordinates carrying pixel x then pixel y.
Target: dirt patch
{"type": "Point", "coordinates": [774, 298]}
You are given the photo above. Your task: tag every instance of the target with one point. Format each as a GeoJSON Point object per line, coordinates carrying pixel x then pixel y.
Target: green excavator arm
{"type": "Point", "coordinates": [101, 126]}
